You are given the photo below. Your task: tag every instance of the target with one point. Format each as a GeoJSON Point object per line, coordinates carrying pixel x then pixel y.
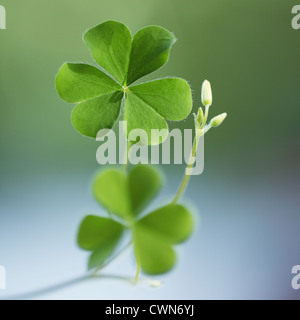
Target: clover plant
{"type": "Point", "coordinates": [102, 96]}
{"type": "Point", "coordinates": [99, 94]}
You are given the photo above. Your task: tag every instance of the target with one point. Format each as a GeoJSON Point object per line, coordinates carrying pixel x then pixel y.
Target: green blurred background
{"type": "Point", "coordinates": [249, 52]}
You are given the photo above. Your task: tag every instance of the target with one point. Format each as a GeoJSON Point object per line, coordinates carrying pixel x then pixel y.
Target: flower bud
{"type": "Point", "coordinates": [216, 121]}
{"type": "Point", "coordinates": [206, 95]}
{"type": "Point", "coordinates": [200, 116]}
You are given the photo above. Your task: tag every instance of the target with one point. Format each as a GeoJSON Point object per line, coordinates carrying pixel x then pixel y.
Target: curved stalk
{"type": "Point", "coordinates": [138, 270]}
{"type": "Point", "coordinates": [188, 170]}
{"type": "Point", "coordinates": [69, 283]}
{"type": "Point", "coordinates": [201, 130]}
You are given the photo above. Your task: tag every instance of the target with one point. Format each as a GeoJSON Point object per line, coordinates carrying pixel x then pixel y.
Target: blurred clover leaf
{"type": "Point", "coordinates": [99, 94]}
{"type": "Point", "coordinates": [154, 235]}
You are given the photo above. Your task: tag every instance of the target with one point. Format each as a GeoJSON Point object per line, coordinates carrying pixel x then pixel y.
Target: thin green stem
{"type": "Point", "coordinates": [125, 166]}
{"type": "Point", "coordinates": [138, 269]}
{"type": "Point", "coordinates": [205, 117]}
{"type": "Point", "coordinates": [69, 283]}
{"type": "Point", "coordinates": [48, 290]}
{"type": "Point", "coordinates": [199, 132]}
{"type": "Point", "coordinates": [188, 170]}
{"type": "Point", "coordinates": [89, 276]}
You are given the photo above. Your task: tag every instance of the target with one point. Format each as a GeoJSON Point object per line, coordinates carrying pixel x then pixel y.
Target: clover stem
{"type": "Point", "coordinates": [205, 117]}
{"type": "Point", "coordinates": [126, 157]}
{"type": "Point", "coordinates": [72, 282]}
{"type": "Point", "coordinates": [138, 270]}
{"type": "Point", "coordinates": [199, 132]}
{"type": "Point", "coordinates": [188, 170]}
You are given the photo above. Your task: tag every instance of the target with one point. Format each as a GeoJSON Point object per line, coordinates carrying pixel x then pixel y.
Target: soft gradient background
{"type": "Point", "coordinates": [247, 237]}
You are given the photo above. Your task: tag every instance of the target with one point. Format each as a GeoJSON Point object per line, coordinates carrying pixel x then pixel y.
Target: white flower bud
{"type": "Point", "coordinates": [216, 121]}
{"type": "Point", "coordinates": [206, 95]}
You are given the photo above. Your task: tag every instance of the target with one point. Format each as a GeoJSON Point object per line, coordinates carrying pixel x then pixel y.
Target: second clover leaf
{"type": "Point", "coordinates": [99, 95]}
{"type": "Point", "coordinates": [153, 235]}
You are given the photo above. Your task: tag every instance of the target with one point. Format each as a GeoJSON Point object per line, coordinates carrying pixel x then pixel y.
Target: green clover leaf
{"type": "Point", "coordinates": [99, 95]}
{"type": "Point", "coordinates": [154, 235]}
{"type": "Point", "coordinates": [101, 236]}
